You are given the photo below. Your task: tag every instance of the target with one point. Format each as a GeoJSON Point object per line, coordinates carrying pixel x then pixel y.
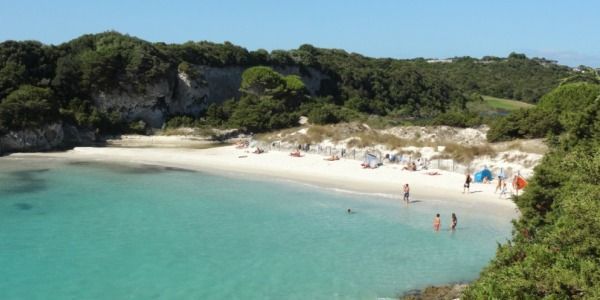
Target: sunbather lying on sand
{"type": "Point", "coordinates": [296, 153]}
{"type": "Point", "coordinates": [433, 173]}
{"type": "Point", "coordinates": [241, 144]}
{"type": "Point", "coordinates": [332, 158]}
{"type": "Point", "coordinates": [410, 167]}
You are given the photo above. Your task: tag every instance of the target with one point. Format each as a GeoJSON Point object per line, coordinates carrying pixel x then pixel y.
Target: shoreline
{"type": "Point", "coordinates": [345, 175]}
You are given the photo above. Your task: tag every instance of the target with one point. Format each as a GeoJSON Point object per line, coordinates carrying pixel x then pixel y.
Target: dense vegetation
{"type": "Point", "coordinates": [357, 87]}
{"type": "Point", "coordinates": [555, 250]}
{"type": "Point", "coordinates": [548, 117]}
{"type": "Point", "coordinates": [516, 77]}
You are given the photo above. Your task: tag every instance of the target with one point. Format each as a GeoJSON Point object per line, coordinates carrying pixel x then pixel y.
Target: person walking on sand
{"type": "Point", "coordinates": [454, 222]}
{"type": "Point", "coordinates": [467, 184]}
{"type": "Point", "coordinates": [406, 193]}
{"type": "Point", "coordinates": [498, 185]}
{"type": "Point", "coordinates": [437, 223]}
{"type": "Point", "coordinates": [504, 191]}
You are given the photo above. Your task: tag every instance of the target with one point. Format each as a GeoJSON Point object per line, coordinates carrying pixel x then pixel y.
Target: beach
{"type": "Point", "coordinates": [266, 225]}
{"type": "Point", "coordinates": [343, 174]}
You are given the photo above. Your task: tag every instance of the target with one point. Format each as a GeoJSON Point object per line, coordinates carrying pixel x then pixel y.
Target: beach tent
{"type": "Point", "coordinates": [371, 160]}
{"type": "Point", "coordinates": [485, 172]}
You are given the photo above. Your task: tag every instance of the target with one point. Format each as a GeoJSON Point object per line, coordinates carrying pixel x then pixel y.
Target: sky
{"type": "Point", "coordinates": [567, 31]}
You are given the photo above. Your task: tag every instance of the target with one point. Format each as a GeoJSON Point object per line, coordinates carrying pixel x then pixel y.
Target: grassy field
{"type": "Point", "coordinates": [505, 104]}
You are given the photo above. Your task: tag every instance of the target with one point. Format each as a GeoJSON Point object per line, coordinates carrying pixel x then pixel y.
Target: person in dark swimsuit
{"type": "Point", "coordinates": [467, 184]}
{"type": "Point", "coordinates": [454, 222]}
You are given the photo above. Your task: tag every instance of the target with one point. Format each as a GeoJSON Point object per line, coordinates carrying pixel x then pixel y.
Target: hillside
{"type": "Point", "coordinates": [514, 77]}
{"type": "Point", "coordinates": [110, 83]}
{"type": "Point", "coordinates": [555, 249]}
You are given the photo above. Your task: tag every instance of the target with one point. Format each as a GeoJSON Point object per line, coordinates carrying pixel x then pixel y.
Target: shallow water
{"type": "Point", "coordinates": [99, 231]}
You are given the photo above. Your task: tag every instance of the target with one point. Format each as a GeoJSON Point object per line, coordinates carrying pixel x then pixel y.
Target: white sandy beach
{"type": "Point", "coordinates": [344, 174]}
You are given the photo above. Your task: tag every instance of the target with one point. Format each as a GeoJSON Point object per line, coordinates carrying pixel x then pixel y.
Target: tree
{"type": "Point", "coordinates": [261, 81]}
{"type": "Point", "coordinates": [27, 107]}
{"type": "Point", "coordinates": [555, 249]}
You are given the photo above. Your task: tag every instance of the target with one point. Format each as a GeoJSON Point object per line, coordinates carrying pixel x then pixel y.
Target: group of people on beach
{"type": "Point", "coordinates": [501, 184]}
{"type": "Point", "coordinates": [437, 222]}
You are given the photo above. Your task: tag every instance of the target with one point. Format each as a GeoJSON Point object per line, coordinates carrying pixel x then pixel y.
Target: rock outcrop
{"type": "Point", "coordinates": [149, 104]}
{"type": "Point", "coordinates": [187, 94]}
{"type": "Point", "coordinates": [176, 94]}
{"type": "Point", "coordinates": [40, 139]}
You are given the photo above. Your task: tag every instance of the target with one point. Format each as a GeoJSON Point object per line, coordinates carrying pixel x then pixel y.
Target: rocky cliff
{"type": "Point", "coordinates": [177, 94]}
{"type": "Point", "coordinates": [187, 94]}
{"type": "Point", "coordinates": [49, 137]}
{"type": "Point", "coordinates": [40, 139]}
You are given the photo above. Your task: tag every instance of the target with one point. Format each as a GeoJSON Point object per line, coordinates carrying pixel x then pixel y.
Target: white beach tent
{"type": "Point", "coordinates": [371, 160]}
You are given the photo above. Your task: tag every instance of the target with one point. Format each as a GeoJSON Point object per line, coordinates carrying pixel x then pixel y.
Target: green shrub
{"type": "Point", "coordinates": [181, 121]}
{"type": "Point", "coordinates": [457, 119]}
{"type": "Point", "coordinates": [137, 127]}
{"type": "Point", "coordinates": [323, 114]}
{"type": "Point", "coordinates": [555, 248]}
{"type": "Point", "coordinates": [554, 112]}
{"type": "Point", "coordinates": [28, 107]}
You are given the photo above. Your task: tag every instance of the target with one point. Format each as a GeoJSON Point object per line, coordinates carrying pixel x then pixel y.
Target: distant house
{"type": "Point", "coordinates": [545, 62]}
{"type": "Point", "coordinates": [437, 60]}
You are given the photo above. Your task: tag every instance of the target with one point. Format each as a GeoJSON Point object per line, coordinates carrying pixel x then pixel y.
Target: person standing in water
{"type": "Point", "coordinates": [406, 193]}
{"type": "Point", "coordinates": [467, 183]}
{"type": "Point", "coordinates": [454, 222]}
{"type": "Point", "coordinates": [437, 223]}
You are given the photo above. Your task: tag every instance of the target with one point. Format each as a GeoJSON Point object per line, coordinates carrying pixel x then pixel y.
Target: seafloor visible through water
{"type": "Point", "coordinates": [100, 231]}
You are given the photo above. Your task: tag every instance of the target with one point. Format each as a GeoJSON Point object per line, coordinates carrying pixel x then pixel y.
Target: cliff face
{"type": "Point", "coordinates": [149, 104]}
{"type": "Point", "coordinates": [178, 93]}
{"type": "Point", "coordinates": [186, 93]}
{"type": "Point", "coordinates": [40, 139]}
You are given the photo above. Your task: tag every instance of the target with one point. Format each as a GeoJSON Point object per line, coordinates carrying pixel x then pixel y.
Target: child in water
{"type": "Point", "coordinates": [437, 222]}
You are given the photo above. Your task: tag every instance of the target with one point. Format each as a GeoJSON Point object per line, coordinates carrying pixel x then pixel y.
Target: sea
{"type": "Point", "coordinates": [97, 230]}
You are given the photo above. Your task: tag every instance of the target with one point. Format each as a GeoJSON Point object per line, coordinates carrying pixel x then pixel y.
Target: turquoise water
{"type": "Point", "coordinates": [93, 231]}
